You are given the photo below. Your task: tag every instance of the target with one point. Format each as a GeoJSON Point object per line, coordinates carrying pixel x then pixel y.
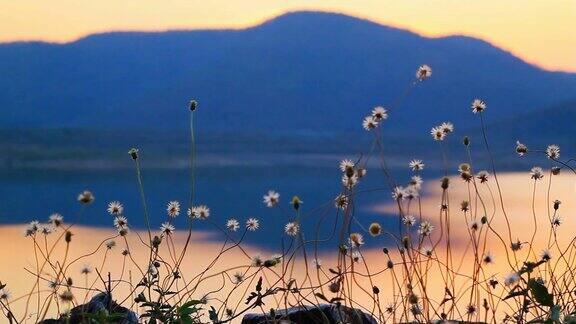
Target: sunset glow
{"type": "Point", "coordinates": [540, 32]}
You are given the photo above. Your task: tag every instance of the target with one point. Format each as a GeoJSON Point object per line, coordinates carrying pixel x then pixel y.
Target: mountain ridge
{"type": "Point", "coordinates": [297, 64]}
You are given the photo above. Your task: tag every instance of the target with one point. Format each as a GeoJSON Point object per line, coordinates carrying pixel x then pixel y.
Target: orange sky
{"type": "Point", "coordinates": [540, 31]}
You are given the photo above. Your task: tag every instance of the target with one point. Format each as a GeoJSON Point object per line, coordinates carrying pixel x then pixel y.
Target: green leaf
{"type": "Point", "coordinates": [540, 293]}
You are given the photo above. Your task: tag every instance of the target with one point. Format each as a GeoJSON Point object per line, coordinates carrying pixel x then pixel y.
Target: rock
{"type": "Point", "coordinates": [101, 303]}
{"type": "Point", "coordinates": [325, 314]}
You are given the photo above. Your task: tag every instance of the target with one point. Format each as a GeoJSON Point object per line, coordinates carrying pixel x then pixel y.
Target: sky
{"type": "Point", "coordinates": [542, 32]}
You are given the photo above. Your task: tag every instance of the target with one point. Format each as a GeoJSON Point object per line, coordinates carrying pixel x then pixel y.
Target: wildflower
{"type": "Point", "coordinates": [199, 212]}
{"type": "Point", "coordinates": [536, 173]}
{"type": "Point", "coordinates": [167, 228]}
{"type": "Point", "coordinates": [232, 225]}
{"type": "Point", "coordinates": [411, 192]}
{"type": "Point", "coordinates": [375, 229]}
{"type": "Point", "coordinates": [53, 285]}
{"type": "Point", "coordinates": [360, 172]}
{"type": "Point", "coordinates": [521, 149]}
{"type": "Point", "coordinates": [349, 182]}
{"type": "Point", "coordinates": [409, 220]}
{"type": "Point", "coordinates": [271, 198]}
{"type": "Point", "coordinates": [86, 269]}
{"type": "Point", "coordinates": [5, 294]}
{"type": "Point", "coordinates": [46, 229]}
{"type": "Point", "coordinates": [356, 239]}
{"type": "Point", "coordinates": [252, 224]}
{"type": "Point", "coordinates": [115, 208]}
{"type": "Point", "coordinates": [423, 72]}
{"type": "Point", "coordinates": [379, 113]}
{"type": "Point", "coordinates": [110, 244]}
{"type": "Point", "coordinates": [555, 170]}
{"type": "Point", "coordinates": [317, 263]}
{"type": "Point", "coordinates": [85, 197]}
{"type": "Point", "coordinates": [238, 278]}
{"type": "Point", "coordinates": [292, 228]}
{"type": "Point", "coordinates": [120, 222]}
{"type": "Point", "coordinates": [133, 152]}
{"type": "Point", "coordinates": [31, 228]}
{"type": "Point", "coordinates": [464, 205]}
{"type": "Point", "coordinates": [257, 260]}
{"type": "Point", "coordinates": [493, 282]}
{"type": "Point", "coordinates": [173, 208]}
{"type": "Point", "coordinates": [466, 176]}
{"type": "Point", "coordinates": [427, 251]}
{"type": "Point", "coordinates": [416, 165]}
{"type": "Point", "coordinates": [123, 231]}
{"type": "Point", "coordinates": [193, 105]}
{"type": "Point", "coordinates": [470, 309]}
{"type": "Point", "coordinates": [447, 127]}
{"type": "Point", "coordinates": [545, 255]}
{"type": "Point", "coordinates": [483, 176]}
{"type": "Point", "coordinates": [416, 309]}
{"type": "Point", "coordinates": [556, 221]}
{"type": "Point", "coordinates": [474, 225]}
{"type": "Point", "coordinates": [356, 256]}
{"type": "Point", "coordinates": [66, 296]}
{"type": "Point", "coordinates": [437, 133]}
{"type": "Point", "coordinates": [56, 219]}
{"type": "Point", "coordinates": [125, 252]}
{"type": "Point", "coordinates": [416, 181]}
{"type": "Point", "coordinates": [556, 204]}
{"type": "Point", "coordinates": [398, 193]}
{"type": "Point", "coordinates": [341, 201]}
{"type": "Point", "coordinates": [346, 165]}
{"type": "Point", "coordinates": [389, 308]}
{"type": "Point", "coordinates": [296, 202]}
{"type": "Point", "coordinates": [516, 246]}
{"type": "Point", "coordinates": [488, 258]}
{"type": "Point", "coordinates": [511, 278]}
{"type": "Point", "coordinates": [425, 228]}
{"type": "Point", "coordinates": [369, 123]}
{"type": "Point", "coordinates": [229, 312]}
{"type": "Point", "coordinates": [553, 152]}
{"type": "Point", "coordinates": [478, 106]}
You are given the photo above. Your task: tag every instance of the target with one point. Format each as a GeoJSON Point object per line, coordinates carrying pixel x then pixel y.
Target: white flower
{"type": "Point", "coordinates": [120, 222]}
{"type": "Point", "coordinates": [379, 113]}
{"type": "Point", "coordinates": [416, 181]}
{"type": "Point", "coordinates": [483, 176]}
{"type": "Point", "coordinates": [423, 72]}
{"type": "Point", "coordinates": [557, 220]}
{"type": "Point", "coordinates": [411, 192]}
{"type": "Point", "coordinates": [317, 263]}
{"type": "Point", "coordinates": [546, 255]}
{"type": "Point", "coordinates": [199, 212]}
{"type": "Point", "coordinates": [167, 228]}
{"type": "Point", "coordinates": [252, 224]}
{"type": "Point", "coordinates": [474, 225]}
{"type": "Point", "coordinates": [257, 260]}
{"type": "Point", "coordinates": [425, 228]}
{"type": "Point", "coordinates": [553, 152]}
{"type": "Point", "coordinates": [521, 149]}
{"type": "Point", "coordinates": [56, 219]}
{"type": "Point", "coordinates": [437, 133]}
{"type": "Point", "coordinates": [5, 294]}
{"type": "Point", "coordinates": [232, 225]}
{"type": "Point", "coordinates": [31, 228]}
{"type": "Point", "coordinates": [447, 127]}
{"type": "Point", "coordinates": [346, 165]}
{"type": "Point", "coordinates": [369, 123]}
{"type": "Point", "coordinates": [416, 165]}
{"type": "Point", "coordinates": [341, 201]}
{"type": "Point", "coordinates": [478, 106]}
{"type": "Point", "coordinates": [427, 251]}
{"type": "Point", "coordinates": [173, 208]}
{"type": "Point", "coordinates": [349, 182]}
{"type": "Point", "coordinates": [271, 198]}
{"type": "Point", "coordinates": [46, 229]}
{"type": "Point", "coordinates": [511, 278]}
{"type": "Point", "coordinates": [356, 240]}
{"type": "Point", "coordinates": [398, 193]}
{"type": "Point", "coordinates": [409, 220]}
{"type": "Point", "coordinates": [356, 256]}
{"type": "Point", "coordinates": [110, 244]}
{"type": "Point", "coordinates": [292, 228]}
{"type": "Point", "coordinates": [536, 173]}
{"type": "Point", "coordinates": [115, 208]}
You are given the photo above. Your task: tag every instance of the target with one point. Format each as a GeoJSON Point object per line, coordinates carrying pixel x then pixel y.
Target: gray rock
{"type": "Point", "coordinates": [102, 302]}
{"type": "Point", "coordinates": [325, 314]}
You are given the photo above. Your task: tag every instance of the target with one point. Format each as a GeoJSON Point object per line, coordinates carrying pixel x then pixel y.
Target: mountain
{"type": "Point", "coordinates": [300, 72]}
